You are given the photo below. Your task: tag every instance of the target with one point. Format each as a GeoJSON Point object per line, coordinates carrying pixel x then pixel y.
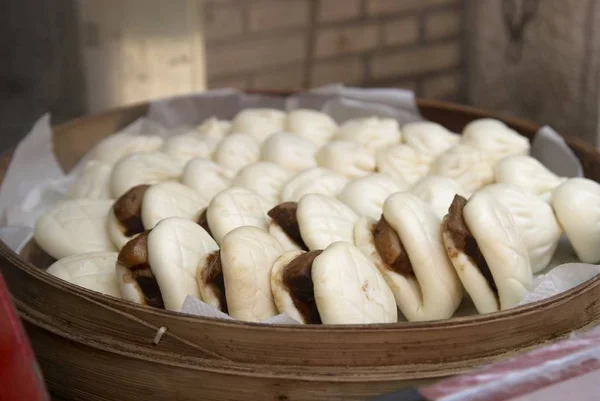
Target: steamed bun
{"type": "Point", "coordinates": [373, 133]}
{"type": "Point", "coordinates": [206, 177]}
{"type": "Point", "coordinates": [438, 192]}
{"type": "Point", "coordinates": [236, 151]}
{"type": "Point", "coordinates": [185, 147]}
{"type": "Point", "coordinates": [259, 123]}
{"type": "Point", "coordinates": [527, 173]}
{"type": "Point", "coordinates": [290, 151]}
{"type": "Point", "coordinates": [576, 203]}
{"type": "Point", "coordinates": [403, 163]}
{"type": "Point", "coordinates": [316, 180]}
{"type": "Point", "coordinates": [465, 164]}
{"type": "Point", "coordinates": [264, 178]}
{"type": "Point", "coordinates": [534, 219]}
{"type": "Point", "coordinates": [495, 139]}
{"type": "Point", "coordinates": [366, 195]}
{"type": "Point", "coordinates": [429, 138]}
{"type": "Point", "coordinates": [345, 157]}
{"type": "Point", "coordinates": [313, 125]}
{"type": "Point", "coordinates": [214, 129]}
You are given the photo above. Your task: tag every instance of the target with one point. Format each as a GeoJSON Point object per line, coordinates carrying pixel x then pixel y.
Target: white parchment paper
{"type": "Point", "coordinates": [35, 181]}
{"type": "Point", "coordinates": [194, 306]}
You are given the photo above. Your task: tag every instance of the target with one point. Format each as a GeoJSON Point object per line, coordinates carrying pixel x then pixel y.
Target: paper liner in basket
{"type": "Point", "coordinates": [34, 181]}
{"type": "Point", "coordinates": [193, 306]}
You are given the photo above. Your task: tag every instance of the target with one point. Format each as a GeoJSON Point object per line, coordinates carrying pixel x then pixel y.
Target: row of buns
{"type": "Point", "coordinates": [319, 262]}
{"type": "Point", "coordinates": [233, 153]}
{"type": "Point", "coordinates": [248, 174]}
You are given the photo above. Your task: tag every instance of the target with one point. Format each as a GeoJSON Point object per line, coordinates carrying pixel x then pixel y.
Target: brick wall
{"type": "Point", "coordinates": [293, 44]}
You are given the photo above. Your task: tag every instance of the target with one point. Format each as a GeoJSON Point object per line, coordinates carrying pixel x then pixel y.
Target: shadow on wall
{"type": "Point", "coordinates": [538, 60]}
{"type": "Point", "coordinates": [39, 67]}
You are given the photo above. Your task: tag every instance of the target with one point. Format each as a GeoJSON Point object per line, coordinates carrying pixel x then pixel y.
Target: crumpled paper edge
{"type": "Point", "coordinates": [194, 306]}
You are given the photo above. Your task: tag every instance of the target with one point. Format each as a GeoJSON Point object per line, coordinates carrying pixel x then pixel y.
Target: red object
{"type": "Point", "coordinates": [20, 377]}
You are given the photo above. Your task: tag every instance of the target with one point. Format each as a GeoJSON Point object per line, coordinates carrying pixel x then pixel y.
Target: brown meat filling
{"type": "Point", "coordinates": [213, 276]}
{"type": "Point", "coordinates": [284, 215]}
{"type": "Point", "coordinates": [134, 256]}
{"type": "Point", "coordinates": [128, 210]}
{"type": "Point", "coordinates": [464, 240]}
{"type": "Point", "coordinates": [297, 278]}
{"type": "Point", "coordinates": [390, 248]}
{"type": "Point", "coordinates": [203, 222]}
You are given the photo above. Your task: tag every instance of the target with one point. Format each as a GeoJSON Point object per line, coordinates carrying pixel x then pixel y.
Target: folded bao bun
{"type": "Point", "coordinates": [115, 147]}
{"type": "Point", "coordinates": [407, 248]}
{"type": "Point", "coordinates": [527, 173]}
{"type": "Point", "coordinates": [300, 304]}
{"type": "Point", "coordinates": [316, 180]}
{"type": "Point", "coordinates": [323, 220]}
{"type": "Point", "coordinates": [429, 139]}
{"type": "Point", "coordinates": [438, 192]}
{"type": "Point", "coordinates": [93, 183]}
{"type": "Point", "coordinates": [534, 219]}
{"type": "Point", "coordinates": [236, 151]}
{"type": "Point", "coordinates": [314, 125]}
{"type": "Point", "coordinates": [402, 163]}
{"type": "Point", "coordinates": [495, 139]}
{"type": "Point", "coordinates": [170, 199]}
{"type": "Point", "coordinates": [366, 195]}
{"type": "Point", "coordinates": [213, 130]}
{"type": "Point", "coordinates": [125, 216]}
{"type": "Point", "coordinates": [158, 267]}
{"type": "Point", "coordinates": [206, 177]}
{"type": "Point", "coordinates": [143, 168]}
{"type": "Point", "coordinates": [185, 147]}
{"type": "Point", "coordinates": [290, 151]}
{"type": "Point", "coordinates": [94, 271]}
{"type": "Point", "coordinates": [259, 123]}
{"type": "Point", "coordinates": [338, 285]}
{"type": "Point", "coordinates": [373, 133]}
{"type": "Point", "coordinates": [235, 207]}
{"type": "Point", "coordinates": [74, 227]}
{"type": "Point", "coordinates": [264, 178]}
{"type": "Point", "coordinates": [465, 164]}
{"type": "Point", "coordinates": [283, 226]}
{"type": "Point", "coordinates": [143, 206]}
{"type": "Point", "coordinates": [247, 255]}
{"type": "Point", "coordinates": [487, 251]}
{"type": "Point", "coordinates": [576, 203]}
{"type": "Point", "coordinates": [211, 284]}
{"type": "Point", "coordinates": [348, 158]}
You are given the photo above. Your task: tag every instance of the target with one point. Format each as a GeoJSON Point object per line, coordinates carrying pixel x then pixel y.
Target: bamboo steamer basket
{"type": "Point", "coordinates": [101, 348]}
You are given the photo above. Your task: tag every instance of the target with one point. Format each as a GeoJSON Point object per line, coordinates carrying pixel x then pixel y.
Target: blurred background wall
{"type": "Point", "coordinates": [537, 59]}
{"type": "Point", "coordinates": [414, 44]}
{"type": "Point", "coordinates": [532, 58]}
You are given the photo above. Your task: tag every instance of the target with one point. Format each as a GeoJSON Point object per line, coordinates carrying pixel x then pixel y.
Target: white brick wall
{"type": "Point", "coordinates": [379, 7]}
{"type": "Point", "coordinates": [350, 71]}
{"type": "Point", "coordinates": [276, 14]}
{"type": "Point", "coordinates": [222, 21]}
{"type": "Point", "coordinates": [291, 44]}
{"type": "Point", "coordinates": [401, 31]}
{"type": "Point", "coordinates": [345, 40]}
{"type": "Point", "coordinates": [253, 55]}
{"type": "Point", "coordinates": [338, 10]}
{"type": "Point", "coordinates": [441, 86]}
{"type": "Point", "coordinates": [420, 60]}
{"type": "Point", "coordinates": [281, 78]}
{"type": "Point", "coordinates": [442, 24]}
